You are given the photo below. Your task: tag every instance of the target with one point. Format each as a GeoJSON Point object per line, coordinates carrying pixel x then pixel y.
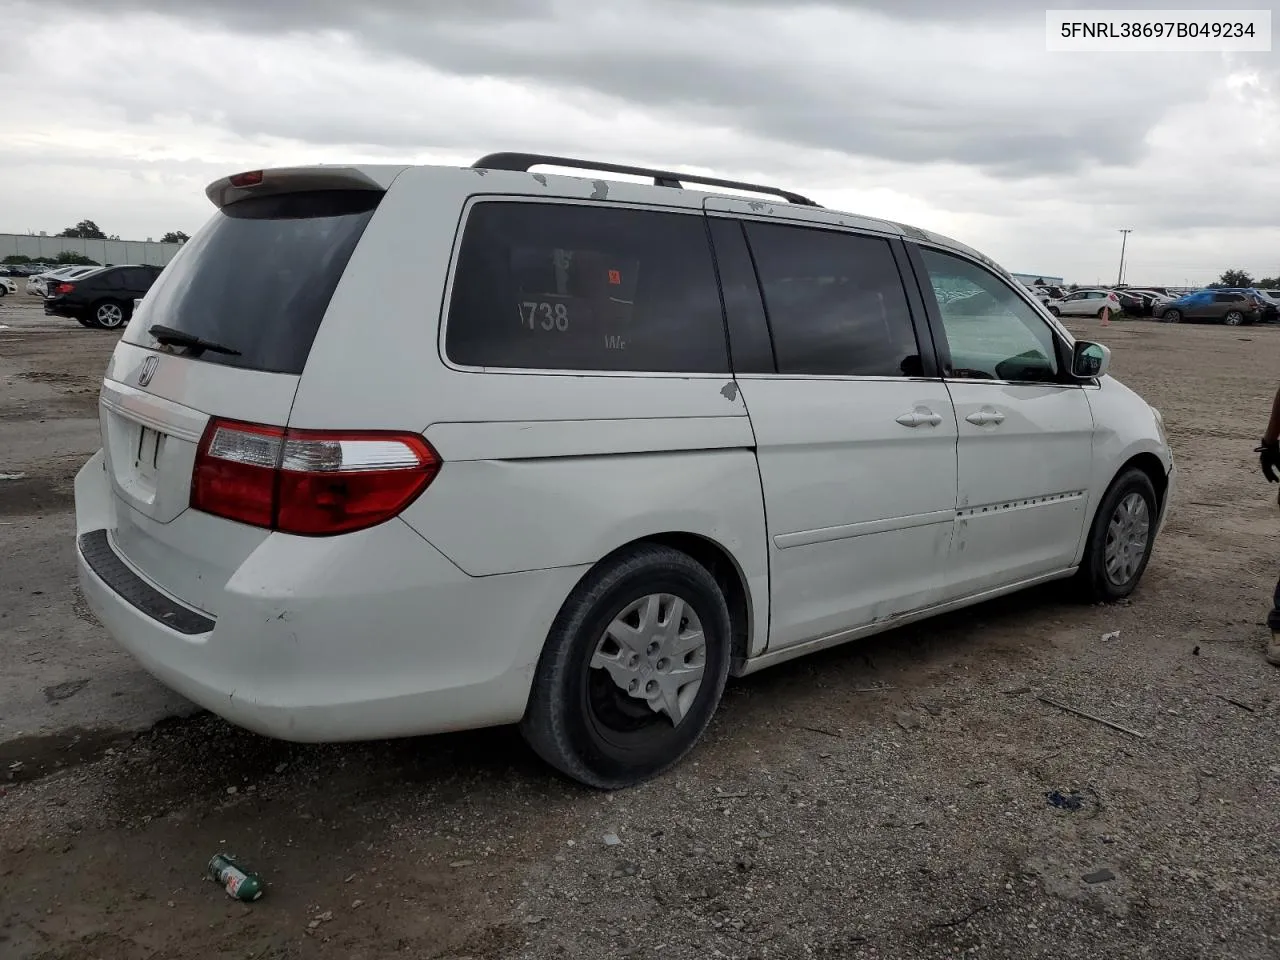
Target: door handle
{"type": "Point", "coordinates": [919, 417]}
{"type": "Point", "coordinates": [985, 417]}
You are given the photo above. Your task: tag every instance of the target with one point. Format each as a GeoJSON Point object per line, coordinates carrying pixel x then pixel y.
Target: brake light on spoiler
{"type": "Point", "coordinates": [252, 178]}
{"type": "Point", "coordinates": [308, 482]}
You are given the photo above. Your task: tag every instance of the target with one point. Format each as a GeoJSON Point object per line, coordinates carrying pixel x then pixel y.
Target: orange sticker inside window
{"type": "Point", "coordinates": [615, 277]}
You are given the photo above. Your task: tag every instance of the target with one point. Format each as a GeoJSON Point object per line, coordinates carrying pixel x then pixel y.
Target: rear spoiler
{"type": "Point", "coordinates": [256, 183]}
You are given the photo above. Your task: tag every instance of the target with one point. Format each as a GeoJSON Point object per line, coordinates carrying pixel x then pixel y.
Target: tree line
{"type": "Point", "coordinates": [88, 230]}
{"type": "Point", "coordinates": [1241, 278]}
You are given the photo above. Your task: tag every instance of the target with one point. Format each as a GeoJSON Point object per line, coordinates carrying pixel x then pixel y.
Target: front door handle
{"type": "Point", "coordinates": [984, 417]}
{"type": "Point", "coordinates": [920, 417]}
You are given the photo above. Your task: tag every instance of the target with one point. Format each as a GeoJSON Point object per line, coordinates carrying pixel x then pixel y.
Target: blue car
{"type": "Point", "coordinates": [1231, 307]}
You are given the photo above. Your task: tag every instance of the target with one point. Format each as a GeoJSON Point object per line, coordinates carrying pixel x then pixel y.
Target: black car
{"type": "Point", "coordinates": [1130, 303]}
{"type": "Point", "coordinates": [103, 298]}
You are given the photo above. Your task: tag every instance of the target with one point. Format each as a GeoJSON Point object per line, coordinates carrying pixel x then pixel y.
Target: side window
{"type": "Point", "coordinates": [1224, 297]}
{"type": "Point", "coordinates": [991, 332]}
{"type": "Point", "coordinates": [136, 279]}
{"type": "Point", "coordinates": [557, 286]}
{"type": "Point", "coordinates": [114, 280]}
{"type": "Point", "coordinates": [835, 302]}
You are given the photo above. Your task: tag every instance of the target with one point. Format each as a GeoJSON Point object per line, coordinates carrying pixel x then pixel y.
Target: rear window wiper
{"type": "Point", "coordinates": [178, 338]}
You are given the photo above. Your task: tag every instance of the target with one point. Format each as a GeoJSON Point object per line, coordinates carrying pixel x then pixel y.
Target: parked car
{"type": "Point", "coordinates": [330, 517]}
{"type": "Point", "coordinates": [38, 285]}
{"type": "Point", "coordinates": [1146, 300]}
{"type": "Point", "coordinates": [1130, 303]}
{"type": "Point", "coordinates": [1274, 297]}
{"type": "Point", "coordinates": [7, 287]}
{"type": "Point", "coordinates": [1085, 303]}
{"type": "Point", "coordinates": [103, 297]}
{"type": "Point", "coordinates": [1230, 307]}
{"type": "Point", "coordinates": [1040, 293]}
{"type": "Point", "coordinates": [1266, 306]}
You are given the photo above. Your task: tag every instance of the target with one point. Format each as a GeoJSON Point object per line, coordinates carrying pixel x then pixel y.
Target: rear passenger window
{"type": "Point", "coordinates": [584, 287]}
{"type": "Point", "coordinates": [835, 302]}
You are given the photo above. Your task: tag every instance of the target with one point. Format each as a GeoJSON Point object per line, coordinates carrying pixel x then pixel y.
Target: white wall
{"type": "Point", "coordinates": [103, 251]}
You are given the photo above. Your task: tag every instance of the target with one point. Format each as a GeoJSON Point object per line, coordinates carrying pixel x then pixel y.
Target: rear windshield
{"type": "Point", "coordinates": [258, 277]}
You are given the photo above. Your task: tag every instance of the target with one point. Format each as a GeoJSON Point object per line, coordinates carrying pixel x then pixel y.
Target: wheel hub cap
{"type": "Point", "coordinates": [655, 651]}
{"type": "Point", "coordinates": [1127, 535]}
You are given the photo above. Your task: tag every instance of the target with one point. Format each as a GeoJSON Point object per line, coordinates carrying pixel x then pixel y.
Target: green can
{"type": "Point", "coordinates": [239, 883]}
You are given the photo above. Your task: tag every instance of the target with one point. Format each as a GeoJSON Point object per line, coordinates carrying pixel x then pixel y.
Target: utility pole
{"type": "Point", "coordinates": [1123, 242]}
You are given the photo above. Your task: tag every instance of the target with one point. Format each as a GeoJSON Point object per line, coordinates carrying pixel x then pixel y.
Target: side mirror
{"type": "Point", "coordinates": [1090, 360]}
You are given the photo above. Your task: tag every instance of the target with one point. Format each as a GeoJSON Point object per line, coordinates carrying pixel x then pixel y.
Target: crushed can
{"type": "Point", "coordinates": [239, 883]}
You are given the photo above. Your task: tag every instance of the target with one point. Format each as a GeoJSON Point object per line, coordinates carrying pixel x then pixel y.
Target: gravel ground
{"type": "Point", "coordinates": [909, 796]}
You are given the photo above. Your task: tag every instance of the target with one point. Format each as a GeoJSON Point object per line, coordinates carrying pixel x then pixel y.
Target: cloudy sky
{"type": "Point", "coordinates": [948, 114]}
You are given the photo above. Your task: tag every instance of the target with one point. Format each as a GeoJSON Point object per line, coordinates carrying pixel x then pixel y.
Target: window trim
{"type": "Point", "coordinates": [929, 360]}
{"type": "Point", "coordinates": [1064, 342]}
{"type": "Point", "coordinates": [446, 301]}
{"type": "Point", "coordinates": [737, 352]}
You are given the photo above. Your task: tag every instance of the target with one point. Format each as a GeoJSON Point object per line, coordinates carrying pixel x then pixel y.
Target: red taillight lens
{"type": "Point", "coordinates": [250, 179]}
{"type": "Point", "coordinates": [64, 288]}
{"type": "Point", "coordinates": [308, 482]}
{"type": "Point", "coordinates": [235, 472]}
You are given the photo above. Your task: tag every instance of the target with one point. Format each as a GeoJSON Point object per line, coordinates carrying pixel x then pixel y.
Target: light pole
{"type": "Point", "coordinates": [1123, 242]}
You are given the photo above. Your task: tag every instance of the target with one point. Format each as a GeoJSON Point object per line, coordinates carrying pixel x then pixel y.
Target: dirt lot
{"type": "Point", "coordinates": [881, 800]}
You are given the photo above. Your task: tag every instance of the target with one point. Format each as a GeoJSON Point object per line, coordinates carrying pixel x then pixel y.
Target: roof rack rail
{"type": "Point", "coordinates": [521, 162]}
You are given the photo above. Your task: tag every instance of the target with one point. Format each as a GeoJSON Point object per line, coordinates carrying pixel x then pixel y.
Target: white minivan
{"type": "Point", "coordinates": [395, 450]}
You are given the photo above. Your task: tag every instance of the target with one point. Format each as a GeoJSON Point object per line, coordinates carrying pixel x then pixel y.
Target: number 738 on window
{"type": "Point", "coordinates": [536, 314]}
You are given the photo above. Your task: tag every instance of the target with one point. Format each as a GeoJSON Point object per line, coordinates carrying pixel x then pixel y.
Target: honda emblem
{"type": "Point", "coordinates": [148, 370]}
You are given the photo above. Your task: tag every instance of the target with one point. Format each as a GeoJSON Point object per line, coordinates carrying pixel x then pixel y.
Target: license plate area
{"type": "Point", "coordinates": [146, 460]}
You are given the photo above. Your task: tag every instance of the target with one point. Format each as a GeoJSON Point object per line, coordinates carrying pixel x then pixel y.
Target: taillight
{"type": "Point", "coordinates": [308, 482]}
{"type": "Point", "coordinates": [251, 179]}
{"type": "Point", "coordinates": [64, 288]}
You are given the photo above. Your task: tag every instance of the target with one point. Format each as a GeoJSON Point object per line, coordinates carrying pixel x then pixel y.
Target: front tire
{"type": "Point", "coordinates": [1120, 541]}
{"type": "Point", "coordinates": [1171, 316]}
{"type": "Point", "coordinates": [109, 314]}
{"type": "Point", "coordinates": [1055, 311]}
{"type": "Point", "coordinates": [633, 669]}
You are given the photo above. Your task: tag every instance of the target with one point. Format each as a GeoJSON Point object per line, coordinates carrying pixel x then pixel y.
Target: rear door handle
{"type": "Point", "coordinates": [920, 417]}
{"type": "Point", "coordinates": [984, 417]}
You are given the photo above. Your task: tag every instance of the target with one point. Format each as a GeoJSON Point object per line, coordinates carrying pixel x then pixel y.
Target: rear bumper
{"type": "Point", "coordinates": [53, 308]}
{"type": "Point", "coordinates": [364, 636]}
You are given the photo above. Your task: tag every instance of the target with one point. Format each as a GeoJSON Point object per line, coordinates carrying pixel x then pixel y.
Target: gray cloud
{"type": "Point", "coordinates": [939, 97]}
{"type": "Point", "coordinates": [947, 106]}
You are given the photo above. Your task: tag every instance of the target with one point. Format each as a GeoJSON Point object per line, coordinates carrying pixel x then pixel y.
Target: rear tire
{"type": "Point", "coordinates": [1233, 318]}
{"type": "Point", "coordinates": [110, 314]}
{"type": "Point", "coordinates": [1120, 540]}
{"type": "Point", "coordinates": [592, 722]}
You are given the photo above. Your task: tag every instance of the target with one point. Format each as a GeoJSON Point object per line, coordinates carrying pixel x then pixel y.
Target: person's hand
{"type": "Point", "coordinates": [1269, 460]}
